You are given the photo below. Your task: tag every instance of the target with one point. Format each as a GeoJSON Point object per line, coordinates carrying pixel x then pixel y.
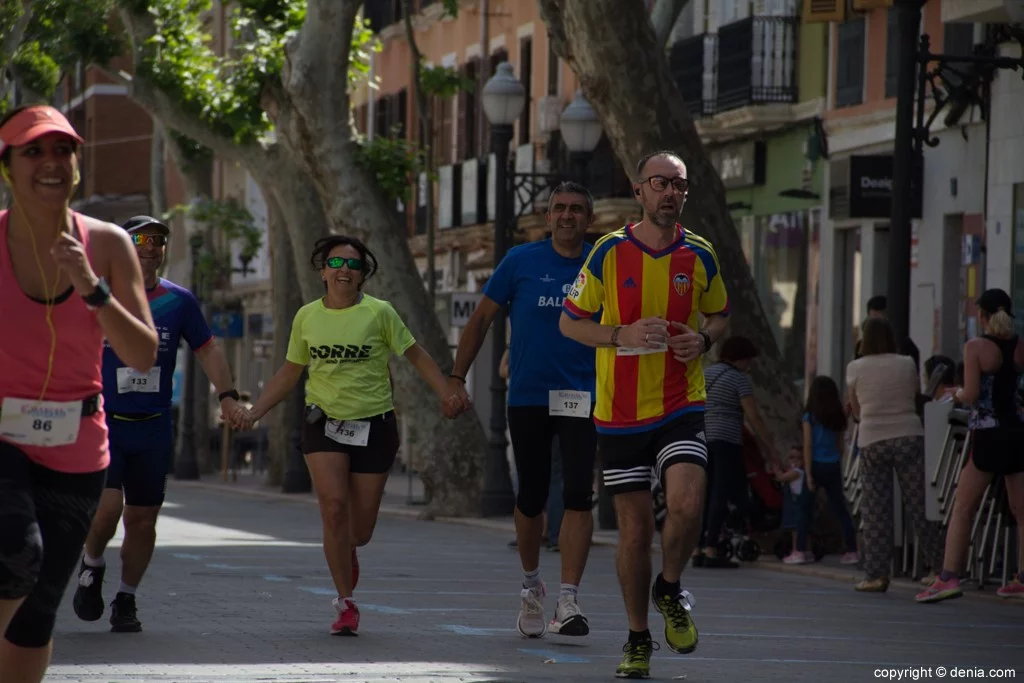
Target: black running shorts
{"type": "Point", "coordinates": [630, 461]}
{"type": "Point", "coordinates": [376, 457]}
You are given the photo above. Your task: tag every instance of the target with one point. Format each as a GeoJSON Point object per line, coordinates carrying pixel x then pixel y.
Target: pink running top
{"type": "Point", "coordinates": [77, 362]}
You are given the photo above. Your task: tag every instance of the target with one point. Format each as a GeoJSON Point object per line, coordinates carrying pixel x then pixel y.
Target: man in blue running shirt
{"type": "Point", "coordinates": [138, 408]}
{"type": "Point", "coordinates": [551, 391]}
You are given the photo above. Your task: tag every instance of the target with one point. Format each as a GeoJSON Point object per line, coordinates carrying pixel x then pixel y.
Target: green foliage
{"type": "Point", "coordinates": [234, 222]}
{"type": "Point", "coordinates": [444, 81]}
{"type": "Point", "coordinates": [192, 152]}
{"type": "Point", "coordinates": [451, 8]}
{"type": "Point", "coordinates": [364, 44]}
{"type": "Point", "coordinates": [394, 162]}
{"type": "Point", "coordinates": [36, 69]}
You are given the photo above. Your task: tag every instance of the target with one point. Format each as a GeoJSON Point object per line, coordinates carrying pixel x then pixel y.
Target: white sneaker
{"type": "Point", "coordinates": [531, 622]}
{"type": "Point", "coordinates": [569, 619]}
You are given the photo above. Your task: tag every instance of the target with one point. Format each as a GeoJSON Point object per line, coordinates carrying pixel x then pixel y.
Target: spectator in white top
{"type": "Point", "coordinates": [883, 388]}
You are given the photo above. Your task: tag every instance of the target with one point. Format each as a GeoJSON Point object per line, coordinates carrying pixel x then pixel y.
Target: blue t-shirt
{"type": "Point", "coordinates": [824, 442]}
{"type": "Point", "coordinates": [177, 315]}
{"type": "Point", "coordinates": [534, 280]}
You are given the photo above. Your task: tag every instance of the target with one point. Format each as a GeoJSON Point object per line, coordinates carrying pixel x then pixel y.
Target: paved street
{"type": "Point", "coordinates": [239, 591]}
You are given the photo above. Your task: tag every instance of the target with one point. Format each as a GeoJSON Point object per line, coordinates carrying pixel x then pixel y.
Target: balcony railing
{"type": "Point", "coordinates": [751, 61]}
{"type": "Point", "coordinates": [757, 60]}
{"type": "Point", "coordinates": [692, 62]}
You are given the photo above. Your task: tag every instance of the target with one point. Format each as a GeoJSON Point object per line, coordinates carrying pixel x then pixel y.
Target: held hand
{"type": "Point", "coordinates": [241, 419]}
{"type": "Point", "coordinates": [455, 400]}
{"type": "Point", "coordinates": [228, 407]}
{"type": "Point", "coordinates": [687, 345]}
{"type": "Point", "coordinates": [70, 256]}
{"type": "Point", "coordinates": [646, 333]}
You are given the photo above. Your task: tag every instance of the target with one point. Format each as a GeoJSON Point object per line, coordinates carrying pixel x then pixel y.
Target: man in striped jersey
{"type": "Point", "coordinates": [652, 280]}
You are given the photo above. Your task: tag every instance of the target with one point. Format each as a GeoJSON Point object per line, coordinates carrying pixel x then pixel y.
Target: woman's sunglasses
{"type": "Point", "coordinates": [338, 262]}
{"type": "Point", "coordinates": [156, 240]}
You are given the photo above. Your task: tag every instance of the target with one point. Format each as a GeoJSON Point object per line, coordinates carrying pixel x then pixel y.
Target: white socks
{"type": "Point", "coordinates": [568, 589]}
{"type": "Point", "coordinates": [93, 561]}
{"type": "Point", "coordinates": [531, 579]}
{"type": "Point", "coordinates": [125, 588]}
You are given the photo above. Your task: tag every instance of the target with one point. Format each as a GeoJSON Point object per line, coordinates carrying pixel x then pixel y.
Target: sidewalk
{"type": "Point", "coordinates": [404, 498]}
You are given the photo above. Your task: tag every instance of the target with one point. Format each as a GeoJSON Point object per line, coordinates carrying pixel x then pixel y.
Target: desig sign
{"type": "Point", "coordinates": [871, 186]}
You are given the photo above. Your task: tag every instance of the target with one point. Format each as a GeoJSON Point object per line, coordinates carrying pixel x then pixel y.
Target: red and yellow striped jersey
{"type": "Point", "coordinates": [639, 390]}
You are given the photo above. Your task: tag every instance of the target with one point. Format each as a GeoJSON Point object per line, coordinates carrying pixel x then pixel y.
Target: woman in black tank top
{"type": "Point", "coordinates": [993, 365]}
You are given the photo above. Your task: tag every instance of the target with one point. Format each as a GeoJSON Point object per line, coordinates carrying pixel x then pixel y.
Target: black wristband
{"type": "Point", "coordinates": [615, 335]}
{"type": "Point", "coordinates": [229, 394]}
{"type": "Point", "coordinates": [454, 376]}
{"type": "Point", "coordinates": [707, 341]}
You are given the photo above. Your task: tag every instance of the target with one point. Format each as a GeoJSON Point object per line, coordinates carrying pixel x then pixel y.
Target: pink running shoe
{"type": "Point", "coordinates": [796, 557]}
{"type": "Point", "coordinates": [849, 558]}
{"type": "Point", "coordinates": [347, 622]}
{"type": "Point", "coordinates": [1014, 589]}
{"type": "Point", "coordinates": [940, 590]}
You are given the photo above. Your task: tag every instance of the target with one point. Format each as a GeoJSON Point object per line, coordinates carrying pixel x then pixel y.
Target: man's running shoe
{"type": "Point", "coordinates": [355, 569]}
{"type": "Point", "coordinates": [680, 631]}
{"type": "Point", "coordinates": [347, 623]}
{"type": "Point", "coordinates": [123, 615]}
{"type": "Point", "coordinates": [636, 660]}
{"type": "Point", "coordinates": [1014, 589]}
{"type": "Point", "coordinates": [531, 622]}
{"type": "Point", "coordinates": [88, 602]}
{"type": "Point", "coordinates": [569, 619]}
{"type": "Point", "coordinates": [940, 590]}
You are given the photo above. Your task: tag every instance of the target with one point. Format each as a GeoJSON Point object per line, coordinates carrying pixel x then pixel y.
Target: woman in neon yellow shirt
{"type": "Point", "coordinates": [350, 436]}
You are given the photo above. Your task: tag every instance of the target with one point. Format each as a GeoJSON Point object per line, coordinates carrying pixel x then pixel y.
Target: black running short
{"type": "Point", "coordinates": [630, 461]}
{"type": "Point", "coordinates": [376, 457]}
{"type": "Point", "coordinates": [141, 453]}
{"type": "Point", "coordinates": [44, 518]}
{"type": "Point", "coordinates": [998, 450]}
{"type": "Point", "coordinates": [533, 433]}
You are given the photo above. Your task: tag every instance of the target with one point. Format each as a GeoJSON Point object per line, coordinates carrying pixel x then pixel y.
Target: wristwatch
{"type": "Point", "coordinates": [99, 296]}
{"type": "Point", "coordinates": [229, 394]}
{"type": "Point", "coordinates": [707, 341]}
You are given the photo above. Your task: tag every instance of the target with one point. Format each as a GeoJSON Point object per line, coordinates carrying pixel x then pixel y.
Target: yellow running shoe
{"type": "Point", "coordinates": [680, 631]}
{"type": "Point", "coordinates": [636, 662]}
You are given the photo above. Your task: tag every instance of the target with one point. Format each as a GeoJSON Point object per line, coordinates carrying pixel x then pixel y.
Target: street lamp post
{"type": "Point", "coordinates": [581, 131]}
{"type": "Point", "coordinates": [186, 465]}
{"type": "Point", "coordinates": [934, 77]}
{"type": "Point", "coordinates": [503, 99]}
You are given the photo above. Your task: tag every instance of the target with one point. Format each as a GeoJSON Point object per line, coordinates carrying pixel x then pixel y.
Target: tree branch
{"type": "Point", "coordinates": [13, 39]}
{"type": "Point", "coordinates": [158, 103]}
{"type": "Point", "coordinates": [664, 17]}
{"type": "Point", "coordinates": [317, 57]}
{"type": "Point", "coordinates": [551, 13]}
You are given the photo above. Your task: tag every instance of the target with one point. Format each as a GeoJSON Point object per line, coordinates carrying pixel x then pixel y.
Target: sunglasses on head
{"type": "Point", "coordinates": [139, 239]}
{"type": "Point", "coordinates": [338, 262]}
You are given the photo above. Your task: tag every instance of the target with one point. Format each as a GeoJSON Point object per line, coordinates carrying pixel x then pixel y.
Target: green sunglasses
{"type": "Point", "coordinates": [338, 262]}
{"type": "Point", "coordinates": [139, 239]}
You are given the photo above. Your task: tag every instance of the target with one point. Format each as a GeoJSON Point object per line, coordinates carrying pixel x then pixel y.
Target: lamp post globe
{"type": "Point", "coordinates": [581, 131]}
{"type": "Point", "coordinates": [503, 96]}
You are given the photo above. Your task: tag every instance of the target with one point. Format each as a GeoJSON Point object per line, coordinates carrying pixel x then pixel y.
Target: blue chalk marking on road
{"type": "Point", "coordinates": [223, 566]}
{"type": "Point", "coordinates": [468, 630]}
{"type": "Point", "coordinates": [556, 657]}
{"type": "Point", "coordinates": [320, 591]}
{"type": "Point", "coordinates": [274, 577]}
{"type": "Point", "coordinates": [383, 609]}
{"type": "Point", "coordinates": [187, 556]}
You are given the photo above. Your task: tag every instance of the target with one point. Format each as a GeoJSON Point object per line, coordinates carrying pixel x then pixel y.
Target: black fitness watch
{"type": "Point", "coordinates": [99, 296]}
{"type": "Point", "coordinates": [707, 341]}
{"type": "Point", "coordinates": [229, 394]}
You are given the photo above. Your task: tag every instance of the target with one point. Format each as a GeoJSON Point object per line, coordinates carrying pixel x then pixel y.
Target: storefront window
{"type": "Point", "coordinates": [776, 247]}
{"type": "Point", "coordinates": [1018, 257]}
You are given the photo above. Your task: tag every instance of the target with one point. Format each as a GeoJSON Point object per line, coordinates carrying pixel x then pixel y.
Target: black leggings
{"type": "Point", "coordinates": [727, 483]}
{"type": "Point", "coordinates": [44, 518]}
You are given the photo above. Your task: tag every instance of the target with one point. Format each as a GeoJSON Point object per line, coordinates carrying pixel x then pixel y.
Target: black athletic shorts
{"type": "Point", "coordinates": [376, 457]}
{"type": "Point", "coordinates": [630, 461]}
{"type": "Point", "coordinates": [44, 518]}
{"type": "Point", "coordinates": [141, 454]}
{"type": "Point", "coordinates": [999, 450]}
{"type": "Point", "coordinates": [533, 433]}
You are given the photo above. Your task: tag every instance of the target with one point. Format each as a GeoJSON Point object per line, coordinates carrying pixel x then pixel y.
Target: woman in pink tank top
{"type": "Point", "coordinates": [66, 282]}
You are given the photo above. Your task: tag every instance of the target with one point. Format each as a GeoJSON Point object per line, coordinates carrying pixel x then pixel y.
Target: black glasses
{"type": "Point", "coordinates": [338, 262]}
{"type": "Point", "coordinates": [659, 183]}
{"type": "Point", "coordinates": [156, 240]}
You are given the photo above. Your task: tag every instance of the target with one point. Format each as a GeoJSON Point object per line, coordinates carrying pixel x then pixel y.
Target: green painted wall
{"type": "Point", "coordinates": [812, 61]}
{"type": "Point", "coordinates": [783, 171]}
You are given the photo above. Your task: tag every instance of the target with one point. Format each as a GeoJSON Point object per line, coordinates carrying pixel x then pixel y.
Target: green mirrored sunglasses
{"type": "Point", "coordinates": [338, 262]}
